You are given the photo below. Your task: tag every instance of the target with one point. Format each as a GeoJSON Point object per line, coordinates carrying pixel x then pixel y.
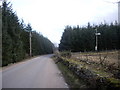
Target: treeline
{"type": "Point", "coordinates": [82, 39]}
{"type": "Point", "coordinates": [15, 38]}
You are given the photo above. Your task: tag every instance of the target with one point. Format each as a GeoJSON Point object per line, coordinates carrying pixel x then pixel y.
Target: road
{"type": "Point", "coordinates": [39, 72]}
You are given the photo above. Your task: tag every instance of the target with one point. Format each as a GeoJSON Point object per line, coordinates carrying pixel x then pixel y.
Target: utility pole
{"type": "Point", "coordinates": [96, 34]}
{"type": "Point", "coordinates": [30, 43]}
{"type": "Point", "coordinates": [29, 30]}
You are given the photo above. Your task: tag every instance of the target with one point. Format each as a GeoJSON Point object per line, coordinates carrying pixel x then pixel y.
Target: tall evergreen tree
{"type": "Point", "coordinates": [15, 38]}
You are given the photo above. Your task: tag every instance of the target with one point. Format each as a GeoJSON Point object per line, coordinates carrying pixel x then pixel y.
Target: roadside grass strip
{"type": "Point", "coordinates": [90, 75]}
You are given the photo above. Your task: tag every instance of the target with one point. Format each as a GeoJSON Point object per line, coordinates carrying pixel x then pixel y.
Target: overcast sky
{"type": "Point", "coordinates": [50, 17]}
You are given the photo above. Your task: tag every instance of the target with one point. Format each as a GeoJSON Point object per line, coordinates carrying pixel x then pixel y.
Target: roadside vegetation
{"type": "Point", "coordinates": [71, 78]}
{"type": "Point", "coordinates": [93, 74]}
{"type": "Point", "coordinates": [15, 38]}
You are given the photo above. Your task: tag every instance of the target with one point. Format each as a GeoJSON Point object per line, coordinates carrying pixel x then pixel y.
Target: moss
{"type": "Point", "coordinates": [101, 73]}
{"type": "Point", "coordinates": [113, 80]}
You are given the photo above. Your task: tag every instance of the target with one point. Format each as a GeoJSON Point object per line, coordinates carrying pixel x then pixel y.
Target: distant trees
{"type": "Point", "coordinates": [83, 38]}
{"type": "Point", "coordinates": [15, 38]}
{"type": "Point", "coordinates": [40, 44]}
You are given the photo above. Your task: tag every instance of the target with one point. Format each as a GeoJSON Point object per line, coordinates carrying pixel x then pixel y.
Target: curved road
{"type": "Point", "coordinates": [39, 72]}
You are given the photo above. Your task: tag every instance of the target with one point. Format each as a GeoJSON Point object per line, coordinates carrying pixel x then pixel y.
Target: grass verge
{"type": "Point", "coordinates": [71, 79]}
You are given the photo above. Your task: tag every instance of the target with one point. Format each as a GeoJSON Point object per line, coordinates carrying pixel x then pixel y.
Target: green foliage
{"type": "Point", "coordinates": [71, 78]}
{"type": "Point", "coordinates": [40, 44]}
{"type": "Point", "coordinates": [15, 38]}
{"type": "Point", "coordinates": [83, 39]}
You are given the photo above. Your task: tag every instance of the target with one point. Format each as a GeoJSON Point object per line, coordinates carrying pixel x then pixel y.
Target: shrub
{"type": "Point", "coordinates": [66, 54]}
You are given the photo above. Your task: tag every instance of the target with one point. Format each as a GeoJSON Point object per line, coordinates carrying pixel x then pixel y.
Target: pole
{"type": "Point", "coordinates": [96, 40]}
{"type": "Point", "coordinates": [96, 34]}
{"type": "Point", "coordinates": [30, 44]}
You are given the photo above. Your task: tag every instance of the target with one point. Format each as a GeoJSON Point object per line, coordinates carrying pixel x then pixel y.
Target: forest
{"type": "Point", "coordinates": [15, 38]}
{"type": "Point", "coordinates": [80, 39]}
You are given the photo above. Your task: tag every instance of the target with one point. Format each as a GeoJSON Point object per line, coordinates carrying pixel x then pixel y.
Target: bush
{"type": "Point", "coordinates": [66, 54]}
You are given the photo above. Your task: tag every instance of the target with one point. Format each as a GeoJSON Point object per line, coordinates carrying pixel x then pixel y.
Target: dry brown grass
{"type": "Point", "coordinates": [108, 57]}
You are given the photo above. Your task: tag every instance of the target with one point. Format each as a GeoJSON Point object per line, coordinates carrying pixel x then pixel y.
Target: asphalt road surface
{"type": "Point", "coordinates": [39, 72]}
